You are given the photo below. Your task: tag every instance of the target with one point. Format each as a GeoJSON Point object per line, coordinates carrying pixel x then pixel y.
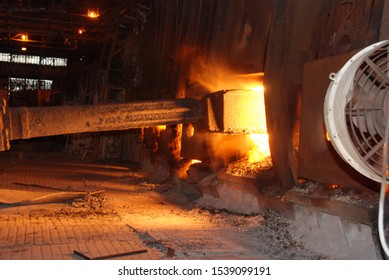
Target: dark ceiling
{"type": "Point", "coordinates": [53, 26]}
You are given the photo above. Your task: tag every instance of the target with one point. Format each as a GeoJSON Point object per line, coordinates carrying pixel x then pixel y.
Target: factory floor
{"type": "Point", "coordinates": [56, 207]}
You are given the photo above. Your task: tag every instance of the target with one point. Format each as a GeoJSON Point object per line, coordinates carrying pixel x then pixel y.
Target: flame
{"type": "Point", "coordinates": [260, 149]}
{"type": "Point", "coordinates": [181, 172]}
{"type": "Point", "coordinates": [217, 76]}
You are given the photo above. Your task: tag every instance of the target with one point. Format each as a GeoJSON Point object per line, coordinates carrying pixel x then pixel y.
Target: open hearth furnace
{"type": "Point", "coordinates": [229, 108]}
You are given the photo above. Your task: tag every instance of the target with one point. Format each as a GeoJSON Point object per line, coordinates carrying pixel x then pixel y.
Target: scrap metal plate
{"type": "Point", "coordinates": [317, 159]}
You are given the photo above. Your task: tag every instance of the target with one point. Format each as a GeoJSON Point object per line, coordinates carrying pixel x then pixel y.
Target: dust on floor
{"type": "Point", "coordinates": [153, 210]}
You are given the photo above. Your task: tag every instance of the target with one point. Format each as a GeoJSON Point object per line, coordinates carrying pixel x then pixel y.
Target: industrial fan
{"type": "Point", "coordinates": [356, 114]}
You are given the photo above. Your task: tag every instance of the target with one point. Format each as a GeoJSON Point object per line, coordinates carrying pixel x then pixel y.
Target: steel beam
{"type": "Point", "coordinates": [31, 122]}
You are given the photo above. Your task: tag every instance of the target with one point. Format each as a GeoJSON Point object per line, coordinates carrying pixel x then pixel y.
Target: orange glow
{"type": "Point", "coordinates": [260, 149]}
{"type": "Point", "coordinates": [160, 128]}
{"type": "Point", "coordinates": [21, 37]}
{"type": "Point", "coordinates": [328, 136]}
{"type": "Point", "coordinates": [81, 31]}
{"type": "Point", "coordinates": [190, 131]}
{"type": "Point", "coordinates": [259, 88]}
{"type": "Point", "coordinates": [182, 171]}
{"type": "Point", "coordinates": [93, 13]}
{"type": "Point", "coordinates": [217, 76]}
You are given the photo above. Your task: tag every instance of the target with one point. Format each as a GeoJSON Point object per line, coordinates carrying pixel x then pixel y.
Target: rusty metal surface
{"type": "Point", "coordinates": [317, 159]}
{"type": "Point", "coordinates": [343, 26]}
{"type": "Point", "coordinates": [30, 122]}
{"type": "Point", "coordinates": [240, 34]}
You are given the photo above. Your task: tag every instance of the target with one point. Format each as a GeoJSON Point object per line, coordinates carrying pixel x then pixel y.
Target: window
{"type": "Point", "coordinates": [5, 57]}
{"type": "Point", "coordinates": [17, 84]}
{"type": "Point", "coordinates": [33, 59]}
{"type": "Point", "coordinates": [53, 61]}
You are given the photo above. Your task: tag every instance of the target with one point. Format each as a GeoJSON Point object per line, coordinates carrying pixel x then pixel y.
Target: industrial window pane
{"type": "Point", "coordinates": [45, 84]}
{"type": "Point", "coordinates": [47, 61]}
{"type": "Point", "coordinates": [5, 57]}
{"type": "Point", "coordinates": [17, 84]}
{"type": "Point", "coordinates": [33, 59]}
{"type": "Point", "coordinates": [53, 61]}
{"type": "Point", "coordinates": [16, 58]}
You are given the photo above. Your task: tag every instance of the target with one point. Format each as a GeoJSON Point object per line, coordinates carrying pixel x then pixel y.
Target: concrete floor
{"type": "Point", "coordinates": [133, 213]}
{"type": "Point", "coordinates": [43, 215]}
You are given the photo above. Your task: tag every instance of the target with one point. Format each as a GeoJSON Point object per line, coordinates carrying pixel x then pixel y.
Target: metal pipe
{"type": "Point", "coordinates": [30, 122]}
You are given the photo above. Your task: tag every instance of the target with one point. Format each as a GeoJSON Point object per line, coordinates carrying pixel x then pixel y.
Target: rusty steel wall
{"type": "Point", "coordinates": [341, 29]}
{"type": "Point", "coordinates": [303, 31]}
{"type": "Point", "coordinates": [240, 34]}
{"type": "Point", "coordinates": [343, 26]}
{"type": "Point", "coordinates": [318, 160]}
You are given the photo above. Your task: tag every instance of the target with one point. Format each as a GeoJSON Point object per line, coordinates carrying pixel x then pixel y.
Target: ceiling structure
{"type": "Point", "coordinates": [64, 28]}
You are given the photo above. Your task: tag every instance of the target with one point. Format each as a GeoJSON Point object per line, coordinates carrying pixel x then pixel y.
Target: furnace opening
{"type": "Point", "coordinates": [233, 134]}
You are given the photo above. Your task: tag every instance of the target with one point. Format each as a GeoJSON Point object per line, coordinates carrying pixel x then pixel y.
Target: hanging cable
{"type": "Point", "coordinates": [384, 184]}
